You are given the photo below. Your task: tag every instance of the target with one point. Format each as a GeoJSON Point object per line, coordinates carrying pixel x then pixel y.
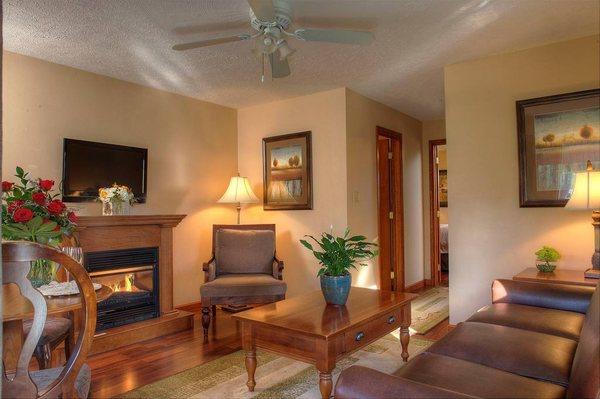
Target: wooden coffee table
{"type": "Point", "coordinates": [306, 329]}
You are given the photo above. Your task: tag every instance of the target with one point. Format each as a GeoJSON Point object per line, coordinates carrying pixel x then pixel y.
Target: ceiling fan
{"type": "Point", "coordinates": [271, 19]}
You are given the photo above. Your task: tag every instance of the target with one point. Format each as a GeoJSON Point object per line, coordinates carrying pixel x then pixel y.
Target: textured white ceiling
{"type": "Point", "coordinates": [403, 67]}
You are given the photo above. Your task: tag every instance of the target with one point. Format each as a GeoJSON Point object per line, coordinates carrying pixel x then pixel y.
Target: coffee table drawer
{"type": "Point", "coordinates": [372, 330]}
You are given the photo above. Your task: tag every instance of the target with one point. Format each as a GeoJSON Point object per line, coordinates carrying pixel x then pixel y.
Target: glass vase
{"type": "Point", "coordinates": [115, 208]}
{"type": "Point", "coordinates": [42, 272]}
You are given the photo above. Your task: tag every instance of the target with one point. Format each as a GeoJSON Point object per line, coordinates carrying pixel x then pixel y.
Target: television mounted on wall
{"type": "Point", "coordinates": [88, 166]}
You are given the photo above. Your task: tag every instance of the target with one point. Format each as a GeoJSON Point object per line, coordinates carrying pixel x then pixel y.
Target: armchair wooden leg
{"type": "Point", "coordinates": [43, 355]}
{"type": "Point", "coordinates": [214, 311]}
{"type": "Point", "coordinates": [206, 321]}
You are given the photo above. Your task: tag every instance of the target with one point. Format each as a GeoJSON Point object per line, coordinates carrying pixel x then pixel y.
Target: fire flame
{"type": "Point", "coordinates": [126, 285]}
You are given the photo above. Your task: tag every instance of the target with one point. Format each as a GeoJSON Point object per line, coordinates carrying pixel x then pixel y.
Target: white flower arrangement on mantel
{"type": "Point", "coordinates": [116, 200]}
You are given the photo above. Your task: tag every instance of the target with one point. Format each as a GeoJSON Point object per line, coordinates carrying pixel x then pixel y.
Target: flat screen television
{"type": "Point", "coordinates": [88, 166]}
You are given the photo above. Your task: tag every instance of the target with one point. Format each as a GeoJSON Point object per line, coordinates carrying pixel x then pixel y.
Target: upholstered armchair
{"type": "Point", "coordinates": [243, 270]}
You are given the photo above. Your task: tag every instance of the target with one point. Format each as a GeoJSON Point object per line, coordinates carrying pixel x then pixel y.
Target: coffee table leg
{"type": "Point", "coordinates": [251, 368]}
{"type": "Point", "coordinates": [404, 339]}
{"type": "Point", "coordinates": [325, 385]}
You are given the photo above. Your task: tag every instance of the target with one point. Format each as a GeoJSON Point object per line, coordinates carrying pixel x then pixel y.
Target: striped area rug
{"type": "Point", "coordinates": [276, 376]}
{"type": "Point", "coordinates": [429, 309]}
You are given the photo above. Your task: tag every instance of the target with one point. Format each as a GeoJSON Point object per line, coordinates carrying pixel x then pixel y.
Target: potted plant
{"type": "Point", "coordinates": [337, 255]}
{"type": "Point", "coordinates": [32, 212]}
{"type": "Point", "coordinates": [548, 256]}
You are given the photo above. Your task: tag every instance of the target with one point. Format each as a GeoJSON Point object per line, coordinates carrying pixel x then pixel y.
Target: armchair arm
{"type": "Point", "coordinates": [572, 298]}
{"type": "Point", "coordinates": [278, 269]}
{"type": "Point", "coordinates": [362, 382]}
{"type": "Point", "coordinates": [210, 270]}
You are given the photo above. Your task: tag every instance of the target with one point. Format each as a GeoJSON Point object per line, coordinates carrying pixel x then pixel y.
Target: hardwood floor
{"type": "Point", "coordinates": [133, 366]}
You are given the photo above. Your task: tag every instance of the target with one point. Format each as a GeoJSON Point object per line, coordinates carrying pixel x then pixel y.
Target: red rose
{"type": "Point", "coordinates": [55, 207]}
{"type": "Point", "coordinates": [46, 184]}
{"type": "Point", "coordinates": [6, 186]}
{"type": "Point", "coordinates": [13, 206]}
{"type": "Point", "coordinates": [72, 217]}
{"type": "Point", "coordinates": [39, 198]}
{"type": "Point", "coordinates": [22, 215]}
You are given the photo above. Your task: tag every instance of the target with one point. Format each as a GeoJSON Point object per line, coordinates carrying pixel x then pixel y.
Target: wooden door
{"type": "Point", "coordinates": [434, 213]}
{"type": "Point", "coordinates": [390, 210]}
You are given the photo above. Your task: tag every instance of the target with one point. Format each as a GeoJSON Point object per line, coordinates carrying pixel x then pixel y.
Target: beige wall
{"type": "Point", "coordinates": [432, 130]}
{"type": "Point", "coordinates": [363, 116]}
{"type": "Point", "coordinates": [491, 236]}
{"type": "Point", "coordinates": [325, 115]}
{"type": "Point", "coordinates": [192, 146]}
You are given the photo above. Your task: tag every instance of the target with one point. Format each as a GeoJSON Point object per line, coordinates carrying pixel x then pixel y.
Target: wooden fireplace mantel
{"type": "Point", "coordinates": [106, 233]}
{"type": "Point", "coordinates": [130, 220]}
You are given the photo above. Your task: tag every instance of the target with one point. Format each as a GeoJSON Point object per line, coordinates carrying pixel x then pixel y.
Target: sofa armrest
{"type": "Point", "coordinates": [210, 270]}
{"type": "Point", "coordinates": [278, 269]}
{"type": "Point", "coordinates": [573, 298]}
{"type": "Point", "coordinates": [362, 382]}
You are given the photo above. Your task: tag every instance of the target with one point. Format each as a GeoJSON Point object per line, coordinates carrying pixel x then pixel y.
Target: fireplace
{"type": "Point", "coordinates": [133, 276]}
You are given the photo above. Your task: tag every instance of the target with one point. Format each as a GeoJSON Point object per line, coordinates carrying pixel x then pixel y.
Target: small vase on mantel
{"type": "Point", "coordinates": [112, 208]}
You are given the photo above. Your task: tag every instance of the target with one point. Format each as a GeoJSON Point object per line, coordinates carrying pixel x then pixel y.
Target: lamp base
{"type": "Point", "coordinates": [592, 273]}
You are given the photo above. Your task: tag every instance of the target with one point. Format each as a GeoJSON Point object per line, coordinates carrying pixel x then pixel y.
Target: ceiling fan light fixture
{"type": "Point", "coordinates": [284, 49]}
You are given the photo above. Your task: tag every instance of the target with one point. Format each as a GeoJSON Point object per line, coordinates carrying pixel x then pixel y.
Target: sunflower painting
{"type": "Point", "coordinates": [557, 136]}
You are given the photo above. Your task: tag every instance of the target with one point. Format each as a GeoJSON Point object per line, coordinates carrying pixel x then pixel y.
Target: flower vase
{"type": "Point", "coordinates": [42, 272]}
{"type": "Point", "coordinates": [115, 208]}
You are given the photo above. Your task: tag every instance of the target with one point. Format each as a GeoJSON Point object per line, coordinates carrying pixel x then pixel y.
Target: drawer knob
{"type": "Point", "coordinates": [359, 336]}
{"type": "Point", "coordinates": [391, 320]}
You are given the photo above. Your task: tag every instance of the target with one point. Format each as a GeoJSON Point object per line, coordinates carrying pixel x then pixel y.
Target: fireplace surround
{"type": "Point", "coordinates": [133, 275]}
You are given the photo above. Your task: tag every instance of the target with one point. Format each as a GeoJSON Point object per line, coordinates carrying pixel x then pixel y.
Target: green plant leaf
{"type": "Point", "coordinates": [35, 223]}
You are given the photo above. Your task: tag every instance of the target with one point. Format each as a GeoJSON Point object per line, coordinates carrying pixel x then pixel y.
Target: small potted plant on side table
{"type": "Point", "coordinates": [336, 256]}
{"type": "Point", "coordinates": [546, 258]}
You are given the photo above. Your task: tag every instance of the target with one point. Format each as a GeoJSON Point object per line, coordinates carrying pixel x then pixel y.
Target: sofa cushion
{"type": "Point", "coordinates": [585, 374]}
{"type": "Point", "coordinates": [527, 353]}
{"type": "Point", "coordinates": [244, 251]}
{"type": "Point", "coordinates": [236, 285]}
{"type": "Point", "coordinates": [475, 379]}
{"type": "Point", "coordinates": [43, 378]}
{"type": "Point", "coordinates": [549, 321]}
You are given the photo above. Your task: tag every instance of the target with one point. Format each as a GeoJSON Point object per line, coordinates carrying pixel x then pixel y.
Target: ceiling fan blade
{"type": "Point", "coordinates": [334, 36]}
{"type": "Point", "coordinates": [279, 68]}
{"type": "Point", "coordinates": [210, 42]}
{"type": "Point", "coordinates": [263, 9]}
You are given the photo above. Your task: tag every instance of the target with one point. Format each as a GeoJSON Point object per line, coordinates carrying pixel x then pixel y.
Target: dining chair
{"type": "Point", "coordinates": [72, 380]}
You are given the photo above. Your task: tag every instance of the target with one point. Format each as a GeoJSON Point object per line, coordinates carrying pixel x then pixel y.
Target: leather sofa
{"type": "Point", "coordinates": [535, 340]}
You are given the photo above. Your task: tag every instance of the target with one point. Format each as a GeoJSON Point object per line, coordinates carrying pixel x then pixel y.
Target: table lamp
{"type": "Point", "coordinates": [239, 192]}
{"type": "Point", "coordinates": [586, 195]}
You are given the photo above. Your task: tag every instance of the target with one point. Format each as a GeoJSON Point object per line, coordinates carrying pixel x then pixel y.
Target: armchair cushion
{"type": "Point", "coordinates": [244, 251]}
{"type": "Point", "coordinates": [243, 285]}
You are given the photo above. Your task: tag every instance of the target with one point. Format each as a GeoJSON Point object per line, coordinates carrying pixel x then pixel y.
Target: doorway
{"type": "Point", "coordinates": [438, 197]}
{"type": "Point", "coordinates": [390, 210]}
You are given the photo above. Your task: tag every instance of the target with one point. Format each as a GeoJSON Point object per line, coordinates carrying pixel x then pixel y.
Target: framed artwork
{"type": "Point", "coordinates": [443, 187]}
{"type": "Point", "coordinates": [287, 172]}
{"type": "Point", "coordinates": [557, 135]}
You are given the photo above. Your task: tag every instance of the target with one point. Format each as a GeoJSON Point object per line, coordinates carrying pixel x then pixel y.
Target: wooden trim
{"type": "Point", "coordinates": [434, 223]}
{"type": "Point", "coordinates": [131, 220]}
{"type": "Point", "coordinates": [398, 205]}
{"type": "Point", "coordinates": [190, 307]}
{"type": "Point", "coordinates": [419, 285]}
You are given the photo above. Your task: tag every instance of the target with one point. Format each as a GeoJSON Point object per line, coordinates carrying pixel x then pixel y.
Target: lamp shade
{"type": "Point", "coordinates": [586, 191]}
{"type": "Point", "coordinates": [239, 192]}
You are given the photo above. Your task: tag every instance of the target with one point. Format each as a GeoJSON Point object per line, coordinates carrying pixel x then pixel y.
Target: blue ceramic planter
{"type": "Point", "coordinates": [336, 289]}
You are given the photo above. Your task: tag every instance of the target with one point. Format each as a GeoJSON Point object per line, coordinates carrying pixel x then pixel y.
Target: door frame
{"type": "Point", "coordinates": [398, 221]}
{"type": "Point", "coordinates": [434, 221]}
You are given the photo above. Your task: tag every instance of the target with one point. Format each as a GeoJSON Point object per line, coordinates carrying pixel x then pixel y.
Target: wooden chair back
{"type": "Point", "coordinates": [17, 257]}
{"type": "Point", "coordinates": [217, 227]}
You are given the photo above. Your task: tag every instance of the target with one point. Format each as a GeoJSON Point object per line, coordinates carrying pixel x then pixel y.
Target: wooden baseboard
{"type": "Point", "coordinates": [190, 307]}
{"type": "Point", "coordinates": [415, 287]}
{"type": "Point", "coordinates": [176, 321]}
